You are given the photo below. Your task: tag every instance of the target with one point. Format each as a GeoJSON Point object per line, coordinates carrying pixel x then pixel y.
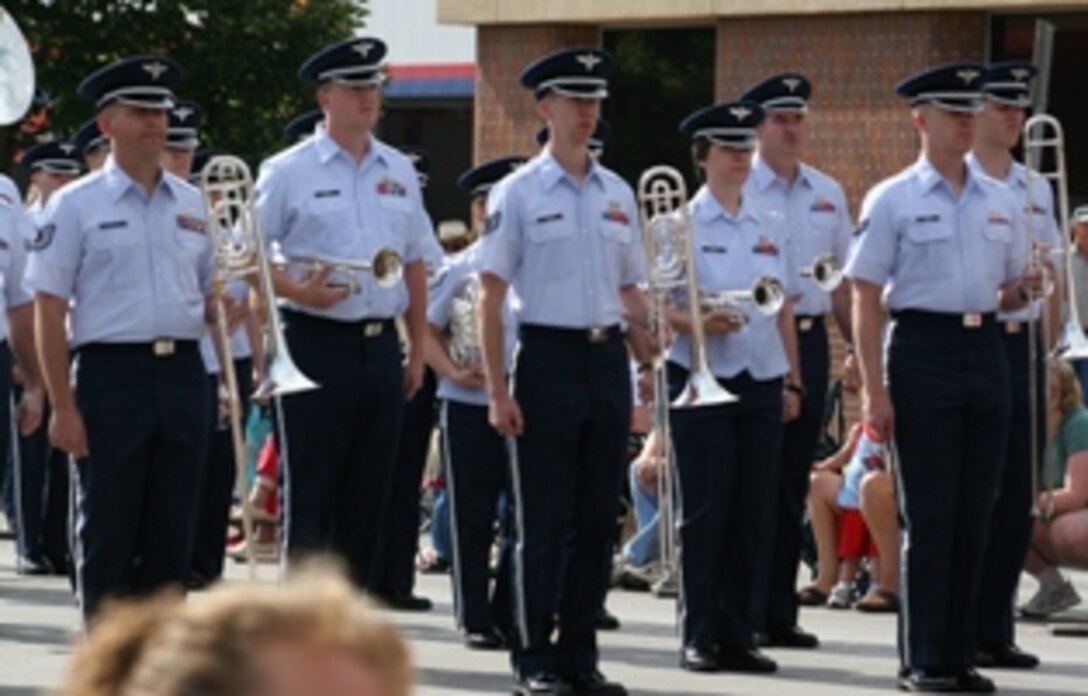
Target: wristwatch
{"type": "Point", "coordinates": [796, 389]}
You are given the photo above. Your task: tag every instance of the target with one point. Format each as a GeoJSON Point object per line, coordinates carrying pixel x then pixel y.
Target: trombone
{"type": "Point", "coordinates": [386, 266]}
{"type": "Point", "coordinates": [1042, 134]}
{"type": "Point", "coordinates": [238, 250]}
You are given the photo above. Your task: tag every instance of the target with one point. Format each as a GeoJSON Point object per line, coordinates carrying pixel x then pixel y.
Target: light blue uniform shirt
{"type": "Point", "coordinates": [15, 227]}
{"type": "Point", "coordinates": [448, 284]}
{"type": "Point", "coordinates": [239, 340]}
{"type": "Point", "coordinates": [1044, 226]}
{"type": "Point", "coordinates": [933, 252]}
{"type": "Point", "coordinates": [813, 218]}
{"type": "Point", "coordinates": [566, 249]}
{"type": "Point", "coordinates": [731, 252]}
{"type": "Point", "coordinates": [314, 200]}
{"type": "Point", "coordinates": [9, 192]}
{"type": "Point", "coordinates": [135, 268]}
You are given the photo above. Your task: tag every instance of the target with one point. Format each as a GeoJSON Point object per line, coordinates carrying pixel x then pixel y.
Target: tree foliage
{"type": "Point", "coordinates": [240, 59]}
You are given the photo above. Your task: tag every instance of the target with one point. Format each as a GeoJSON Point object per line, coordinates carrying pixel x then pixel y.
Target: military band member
{"type": "Point", "coordinates": [91, 145]}
{"type": "Point", "coordinates": [476, 455]}
{"type": "Point", "coordinates": [1006, 94]}
{"type": "Point", "coordinates": [49, 166]}
{"type": "Point", "coordinates": [943, 249]}
{"type": "Point", "coordinates": [810, 208]}
{"type": "Point", "coordinates": [341, 195]}
{"type": "Point", "coordinates": [562, 231]}
{"type": "Point", "coordinates": [303, 125]}
{"type": "Point", "coordinates": [17, 340]}
{"type": "Point", "coordinates": [394, 575]}
{"type": "Point", "coordinates": [727, 455]}
{"type": "Point", "coordinates": [597, 141]}
{"type": "Point", "coordinates": [125, 256]}
{"type": "Point", "coordinates": [182, 138]}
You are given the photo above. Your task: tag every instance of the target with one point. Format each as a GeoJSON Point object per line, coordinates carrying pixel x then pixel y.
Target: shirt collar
{"type": "Point", "coordinates": [327, 148]}
{"type": "Point", "coordinates": [763, 176]}
{"type": "Point", "coordinates": [706, 209]}
{"type": "Point", "coordinates": [118, 182]}
{"type": "Point", "coordinates": [1015, 178]}
{"type": "Point", "coordinates": [930, 178]}
{"type": "Point", "coordinates": [551, 172]}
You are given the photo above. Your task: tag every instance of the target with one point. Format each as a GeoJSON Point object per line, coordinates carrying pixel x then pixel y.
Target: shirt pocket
{"type": "Point", "coordinates": [929, 251]}
{"type": "Point", "coordinates": [552, 252]}
{"type": "Point", "coordinates": [395, 213]}
{"type": "Point", "coordinates": [615, 238]}
{"type": "Point", "coordinates": [112, 256]}
{"type": "Point", "coordinates": [329, 219]}
{"type": "Point", "coordinates": [997, 237]}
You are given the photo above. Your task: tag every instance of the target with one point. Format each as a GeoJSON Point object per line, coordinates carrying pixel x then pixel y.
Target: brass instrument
{"type": "Point", "coordinates": [667, 238]}
{"type": "Point", "coordinates": [1043, 134]}
{"type": "Point", "coordinates": [825, 272]}
{"type": "Point", "coordinates": [464, 343]}
{"type": "Point", "coordinates": [767, 295]}
{"type": "Point", "coordinates": [16, 71]}
{"type": "Point", "coordinates": [239, 253]}
{"type": "Point", "coordinates": [386, 266]}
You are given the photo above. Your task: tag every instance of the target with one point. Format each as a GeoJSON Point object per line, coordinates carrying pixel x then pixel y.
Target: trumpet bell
{"type": "Point", "coordinates": [768, 295]}
{"type": "Point", "coordinates": [703, 389]}
{"type": "Point", "coordinates": [388, 268]}
{"type": "Point", "coordinates": [825, 272]}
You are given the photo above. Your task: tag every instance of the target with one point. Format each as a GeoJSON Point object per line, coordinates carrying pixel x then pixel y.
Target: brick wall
{"type": "Point", "coordinates": [859, 130]}
{"type": "Point", "coordinates": [506, 121]}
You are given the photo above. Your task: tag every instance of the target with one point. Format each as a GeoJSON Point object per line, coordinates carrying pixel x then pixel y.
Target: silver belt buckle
{"type": "Point", "coordinates": [804, 324]}
{"type": "Point", "coordinates": [163, 348]}
{"type": "Point", "coordinates": [597, 334]}
{"type": "Point", "coordinates": [972, 321]}
{"type": "Point", "coordinates": [372, 329]}
{"type": "Point", "coordinates": [1012, 327]}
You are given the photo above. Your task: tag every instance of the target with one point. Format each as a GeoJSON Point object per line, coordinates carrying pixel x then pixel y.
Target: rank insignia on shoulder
{"type": "Point", "coordinates": [493, 222]}
{"type": "Point", "coordinates": [43, 238]}
{"type": "Point", "coordinates": [615, 214]}
{"type": "Point", "coordinates": [996, 217]}
{"type": "Point", "coordinates": [862, 227]}
{"type": "Point", "coordinates": [192, 224]}
{"type": "Point", "coordinates": [822, 205]}
{"type": "Point", "coordinates": [765, 247]}
{"type": "Point", "coordinates": [391, 187]}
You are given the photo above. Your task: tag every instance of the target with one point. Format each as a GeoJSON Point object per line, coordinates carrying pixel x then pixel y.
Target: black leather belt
{"type": "Point", "coordinates": [592, 334]}
{"type": "Point", "coordinates": [946, 320]}
{"type": "Point", "coordinates": [159, 348]}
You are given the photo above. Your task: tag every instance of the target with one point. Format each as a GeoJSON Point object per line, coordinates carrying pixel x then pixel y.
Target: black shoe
{"type": "Point", "coordinates": [748, 660]}
{"type": "Point", "coordinates": [489, 639]}
{"type": "Point", "coordinates": [930, 681]}
{"type": "Point", "coordinates": [607, 621]}
{"type": "Point", "coordinates": [1006, 656]}
{"type": "Point", "coordinates": [406, 602]}
{"type": "Point", "coordinates": [699, 660]}
{"type": "Point", "coordinates": [970, 681]}
{"type": "Point", "coordinates": [31, 565]}
{"type": "Point", "coordinates": [541, 684]}
{"type": "Point", "coordinates": [595, 683]}
{"type": "Point", "coordinates": [792, 637]}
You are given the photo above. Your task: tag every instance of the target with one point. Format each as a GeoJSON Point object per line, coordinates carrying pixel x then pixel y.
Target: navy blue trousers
{"type": "Point", "coordinates": [218, 480]}
{"type": "Point", "coordinates": [342, 438]}
{"type": "Point", "coordinates": [477, 462]}
{"type": "Point", "coordinates": [395, 567]}
{"type": "Point", "coordinates": [778, 595]}
{"type": "Point", "coordinates": [1010, 527]}
{"type": "Point", "coordinates": [566, 477]}
{"type": "Point", "coordinates": [950, 389]}
{"type": "Point", "coordinates": [727, 458]}
{"type": "Point", "coordinates": [43, 522]}
{"type": "Point", "coordinates": [146, 422]}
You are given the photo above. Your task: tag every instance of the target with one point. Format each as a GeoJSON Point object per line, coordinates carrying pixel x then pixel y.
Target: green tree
{"type": "Point", "coordinates": [240, 59]}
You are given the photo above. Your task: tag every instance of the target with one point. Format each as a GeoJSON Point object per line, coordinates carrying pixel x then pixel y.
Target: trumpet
{"type": "Point", "coordinates": [767, 295]}
{"type": "Point", "coordinates": [667, 239]}
{"type": "Point", "coordinates": [825, 272]}
{"type": "Point", "coordinates": [386, 266]}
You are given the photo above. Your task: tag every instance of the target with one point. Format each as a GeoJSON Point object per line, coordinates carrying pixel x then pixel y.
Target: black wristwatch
{"type": "Point", "coordinates": [796, 389]}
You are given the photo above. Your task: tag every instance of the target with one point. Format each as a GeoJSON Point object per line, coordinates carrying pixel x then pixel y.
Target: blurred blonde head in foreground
{"type": "Point", "coordinates": [313, 636]}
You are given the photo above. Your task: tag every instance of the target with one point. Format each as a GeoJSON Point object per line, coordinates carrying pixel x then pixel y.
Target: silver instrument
{"type": "Point", "coordinates": [386, 266]}
{"type": "Point", "coordinates": [1043, 135]}
{"type": "Point", "coordinates": [464, 343]}
{"type": "Point", "coordinates": [16, 71]}
{"type": "Point", "coordinates": [667, 238]}
{"type": "Point", "coordinates": [825, 272]}
{"type": "Point", "coordinates": [767, 295]}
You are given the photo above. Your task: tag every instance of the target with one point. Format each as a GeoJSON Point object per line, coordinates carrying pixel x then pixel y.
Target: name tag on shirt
{"type": "Point", "coordinates": [192, 224]}
{"type": "Point", "coordinates": [709, 249]}
{"type": "Point", "coordinates": [113, 225]}
{"type": "Point", "coordinates": [327, 193]}
{"type": "Point", "coordinates": [550, 217]}
{"type": "Point", "coordinates": [928, 218]}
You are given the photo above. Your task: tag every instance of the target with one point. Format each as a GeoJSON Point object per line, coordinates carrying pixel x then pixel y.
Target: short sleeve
{"type": "Point", "coordinates": [421, 244]}
{"type": "Point", "coordinates": [58, 248]}
{"type": "Point", "coordinates": [844, 228]}
{"type": "Point", "coordinates": [501, 242]}
{"type": "Point", "coordinates": [19, 236]}
{"type": "Point", "coordinates": [270, 204]}
{"type": "Point", "coordinates": [873, 256]}
{"type": "Point", "coordinates": [441, 292]}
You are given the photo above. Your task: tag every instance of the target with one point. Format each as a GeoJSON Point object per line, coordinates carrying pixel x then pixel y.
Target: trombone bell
{"type": "Point", "coordinates": [703, 389]}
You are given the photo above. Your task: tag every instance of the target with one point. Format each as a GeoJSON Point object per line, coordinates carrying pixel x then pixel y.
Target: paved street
{"type": "Point", "coordinates": [38, 621]}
